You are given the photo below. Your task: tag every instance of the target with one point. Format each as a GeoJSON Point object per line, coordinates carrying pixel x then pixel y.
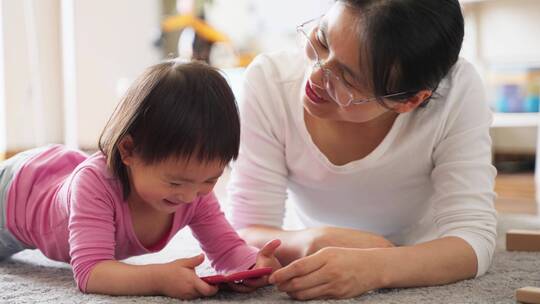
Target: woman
{"type": "Point", "coordinates": [379, 136]}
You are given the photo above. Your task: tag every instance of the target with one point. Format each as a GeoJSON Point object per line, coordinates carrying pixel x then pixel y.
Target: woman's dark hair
{"type": "Point", "coordinates": [176, 110]}
{"type": "Point", "coordinates": [408, 45]}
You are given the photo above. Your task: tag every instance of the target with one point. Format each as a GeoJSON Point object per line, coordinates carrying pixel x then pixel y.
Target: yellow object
{"type": "Point", "coordinates": [202, 28]}
{"type": "Point", "coordinates": [245, 59]}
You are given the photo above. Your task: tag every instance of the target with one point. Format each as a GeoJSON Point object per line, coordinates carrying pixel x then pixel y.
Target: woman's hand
{"type": "Point", "coordinates": [300, 243]}
{"type": "Point", "coordinates": [331, 273]}
{"type": "Point", "coordinates": [265, 258]}
{"type": "Point", "coordinates": [180, 281]}
{"type": "Point", "coordinates": [321, 237]}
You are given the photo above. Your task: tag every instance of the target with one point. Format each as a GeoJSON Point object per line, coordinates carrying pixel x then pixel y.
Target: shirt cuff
{"type": "Point", "coordinates": [483, 248]}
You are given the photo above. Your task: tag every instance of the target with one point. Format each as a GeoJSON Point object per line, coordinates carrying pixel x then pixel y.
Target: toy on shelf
{"type": "Point", "coordinates": [196, 39]}
{"type": "Point", "coordinates": [515, 90]}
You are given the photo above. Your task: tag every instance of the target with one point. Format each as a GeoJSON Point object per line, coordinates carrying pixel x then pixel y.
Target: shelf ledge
{"type": "Point", "coordinates": [506, 120]}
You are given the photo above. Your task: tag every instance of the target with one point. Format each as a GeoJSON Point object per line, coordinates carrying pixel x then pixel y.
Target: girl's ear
{"type": "Point", "coordinates": [126, 149]}
{"type": "Point", "coordinates": [412, 102]}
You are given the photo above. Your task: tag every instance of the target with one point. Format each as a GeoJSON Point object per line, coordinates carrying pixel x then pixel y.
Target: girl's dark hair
{"type": "Point", "coordinates": [176, 110]}
{"type": "Point", "coordinates": [408, 45]}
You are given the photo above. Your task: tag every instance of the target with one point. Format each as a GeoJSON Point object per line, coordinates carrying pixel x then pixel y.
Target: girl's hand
{"type": "Point", "coordinates": [265, 258]}
{"type": "Point", "coordinates": [180, 280]}
{"type": "Point", "coordinates": [321, 237]}
{"type": "Point", "coordinates": [331, 273]}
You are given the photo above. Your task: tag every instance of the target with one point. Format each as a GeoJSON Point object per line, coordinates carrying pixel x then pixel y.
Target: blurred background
{"type": "Point", "coordinates": [64, 65]}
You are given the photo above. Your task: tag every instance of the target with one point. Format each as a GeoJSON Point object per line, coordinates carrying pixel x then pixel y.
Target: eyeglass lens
{"type": "Point", "coordinates": [333, 84]}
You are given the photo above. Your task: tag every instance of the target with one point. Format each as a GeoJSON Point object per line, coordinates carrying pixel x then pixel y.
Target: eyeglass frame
{"type": "Point", "coordinates": [327, 72]}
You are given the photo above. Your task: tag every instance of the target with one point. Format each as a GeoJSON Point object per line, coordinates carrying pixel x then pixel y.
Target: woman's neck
{"type": "Point", "coordinates": [344, 142]}
{"type": "Point", "coordinates": [379, 125]}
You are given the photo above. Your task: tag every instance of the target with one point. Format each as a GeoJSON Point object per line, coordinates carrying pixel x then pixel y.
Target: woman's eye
{"type": "Point", "coordinates": [321, 39]}
{"type": "Point", "coordinates": [174, 185]}
{"type": "Point", "coordinates": [348, 81]}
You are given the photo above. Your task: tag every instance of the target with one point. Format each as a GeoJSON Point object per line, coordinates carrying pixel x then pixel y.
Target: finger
{"type": "Point", "coordinates": [240, 287]}
{"type": "Point", "coordinates": [307, 281]}
{"type": "Point", "coordinates": [259, 282]}
{"type": "Point", "coordinates": [269, 248]}
{"type": "Point", "coordinates": [297, 268]}
{"type": "Point", "coordinates": [194, 261]}
{"type": "Point", "coordinates": [317, 292]}
{"type": "Point", "coordinates": [205, 289]}
{"type": "Point", "coordinates": [190, 295]}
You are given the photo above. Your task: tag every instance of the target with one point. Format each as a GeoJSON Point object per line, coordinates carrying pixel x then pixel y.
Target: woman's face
{"type": "Point", "coordinates": [336, 42]}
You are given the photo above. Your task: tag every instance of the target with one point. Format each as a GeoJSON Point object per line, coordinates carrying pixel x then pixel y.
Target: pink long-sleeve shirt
{"type": "Point", "coordinates": [70, 207]}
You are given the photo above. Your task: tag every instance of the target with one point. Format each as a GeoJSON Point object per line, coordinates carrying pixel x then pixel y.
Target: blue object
{"type": "Point", "coordinates": [508, 99]}
{"type": "Point", "coordinates": [531, 103]}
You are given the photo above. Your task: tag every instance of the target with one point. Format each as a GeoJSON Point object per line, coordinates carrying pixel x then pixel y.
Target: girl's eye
{"type": "Point", "coordinates": [174, 185]}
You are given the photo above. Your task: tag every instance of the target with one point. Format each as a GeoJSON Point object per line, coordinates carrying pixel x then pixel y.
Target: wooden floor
{"type": "Point", "coordinates": [516, 193]}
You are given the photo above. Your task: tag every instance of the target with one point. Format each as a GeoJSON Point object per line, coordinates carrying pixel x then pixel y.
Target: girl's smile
{"type": "Point", "coordinates": [173, 203]}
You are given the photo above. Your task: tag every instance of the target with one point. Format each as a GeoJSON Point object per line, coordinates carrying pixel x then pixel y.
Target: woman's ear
{"type": "Point", "coordinates": [412, 102]}
{"type": "Point", "coordinates": [126, 148]}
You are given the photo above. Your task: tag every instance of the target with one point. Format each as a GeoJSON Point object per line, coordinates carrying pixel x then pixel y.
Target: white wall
{"type": "Point", "coordinates": [113, 42]}
{"type": "Point", "coordinates": [247, 21]}
{"type": "Point", "coordinates": [470, 49]}
{"type": "Point", "coordinates": [510, 31]}
{"type": "Point", "coordinates": [22, 88]}
{"type": "Point", "coordinates": [3, 147]}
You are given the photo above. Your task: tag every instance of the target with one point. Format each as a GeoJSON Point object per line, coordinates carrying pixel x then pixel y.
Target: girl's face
{"type": "Point", "coordinates": [167, 185]}
{"type": "Point", "coordinates": [335, 40]}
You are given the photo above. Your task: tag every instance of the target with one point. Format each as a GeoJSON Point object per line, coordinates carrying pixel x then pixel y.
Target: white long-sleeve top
{"type": "Point", "coordinates": [430, 177]}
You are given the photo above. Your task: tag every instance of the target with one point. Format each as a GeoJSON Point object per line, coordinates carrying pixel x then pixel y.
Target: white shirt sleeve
{"type": "Point", "coordinates": [463, 176]}
{"type": "Point", "coordinates": [258, 186]}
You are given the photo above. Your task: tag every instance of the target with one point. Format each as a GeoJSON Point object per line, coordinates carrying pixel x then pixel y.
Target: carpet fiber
{"type": "Point", "coordinates": [29, 277]}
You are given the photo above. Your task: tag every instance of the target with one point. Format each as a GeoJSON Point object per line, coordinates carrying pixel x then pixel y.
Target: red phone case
{"type": "Point", "coordinates": [238, 276]}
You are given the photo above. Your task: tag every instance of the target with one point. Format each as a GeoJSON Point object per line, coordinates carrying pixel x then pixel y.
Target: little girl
{"type": "Point", "coordinates": [161, 153]}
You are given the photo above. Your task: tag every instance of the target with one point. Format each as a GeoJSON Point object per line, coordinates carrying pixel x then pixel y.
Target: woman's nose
{"type": "Point", "coordinates": [317, 77]}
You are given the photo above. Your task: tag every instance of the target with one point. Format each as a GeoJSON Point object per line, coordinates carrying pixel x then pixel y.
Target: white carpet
{"type": "Point", "coordinates": [29, 277]}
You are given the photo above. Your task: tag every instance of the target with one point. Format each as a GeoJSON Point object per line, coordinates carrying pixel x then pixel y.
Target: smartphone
{"type": "Point", "coordinates": [237, 277]}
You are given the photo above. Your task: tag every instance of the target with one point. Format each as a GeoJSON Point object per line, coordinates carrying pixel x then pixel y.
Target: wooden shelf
{"type": "Point", "coordinates": [507, 120]}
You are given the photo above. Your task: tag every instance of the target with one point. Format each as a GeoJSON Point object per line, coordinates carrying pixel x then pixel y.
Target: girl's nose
{"type": "Point", "coordinates": [188, 195]}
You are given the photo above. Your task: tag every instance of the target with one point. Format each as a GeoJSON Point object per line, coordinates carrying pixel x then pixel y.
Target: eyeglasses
{"type": "Point", "coordinates": [333, 84]}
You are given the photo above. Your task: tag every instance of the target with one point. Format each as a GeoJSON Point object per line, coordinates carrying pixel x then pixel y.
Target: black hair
{"type": "Point", "coordinates": [174, 110]}
{"type": "Point", "coordinates": [408, 45]}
